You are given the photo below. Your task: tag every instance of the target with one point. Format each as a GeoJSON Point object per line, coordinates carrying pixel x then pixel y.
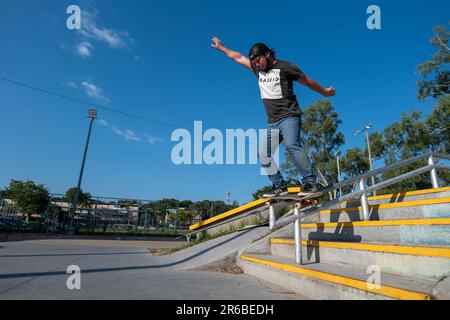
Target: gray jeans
{"type": "Point", "coordinates": [289, 129]}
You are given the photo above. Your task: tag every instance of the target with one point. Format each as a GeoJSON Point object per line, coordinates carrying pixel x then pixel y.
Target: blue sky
{"type": "Point", "coordinates": [153, 59]}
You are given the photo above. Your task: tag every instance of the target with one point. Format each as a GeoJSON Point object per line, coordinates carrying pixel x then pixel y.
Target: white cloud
{"type": "Point", "coordinates": [127, 134]}
{"type": "Point", "coordinates": [89, 29]}
{"type": "Point", "coordinates": [152, 140]}
{"type": "Point", "coordinates": [84, 49]}
{"type": "Point", "coordinates": [115, 130]}
{"type": "Point", "coordinates": [93, 91]}
{"type": "Point", "coordinates": [71, 84]}
{"type": "Point", "coordinates": [131, 135]}
{"type": "Point", "coordinates": [103, 122]}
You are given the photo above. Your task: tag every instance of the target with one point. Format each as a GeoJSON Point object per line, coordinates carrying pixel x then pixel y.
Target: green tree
{"type": "Point", "coordinates": [220, 207]}
{"type": "Point", "coordinates": [413, 135]}
{"type": "Point", "coordinates": [438, 124]}
{"type": "Point", "coordinates": [203, 208]}
{"type": "Point", "coordinates": [84, 199]}
{"type": "Point", "coordinates": [185, 216]}
{"type": "Point", "coordinates": [185, 203]}
{"type": "Point", "coordinates": [355, 162]}
{"type": "Point", "coordinates": [265, 189]}
{"type": "Point", "coordinates": [29, 197]}
{"type": "Point", "coordinates": [435, 73]}
{"type": "Point", "coordinates": [129, 203]}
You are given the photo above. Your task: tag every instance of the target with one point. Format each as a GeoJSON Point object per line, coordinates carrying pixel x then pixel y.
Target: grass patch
{"type": "Point", "coordinates": [166, 251]}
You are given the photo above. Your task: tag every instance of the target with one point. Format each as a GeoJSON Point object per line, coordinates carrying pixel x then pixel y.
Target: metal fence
{"type": "Point", "coordinates": [100, 215]}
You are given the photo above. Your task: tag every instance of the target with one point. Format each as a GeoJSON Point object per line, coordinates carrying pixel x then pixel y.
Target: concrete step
{"type": "Point", "coordinates": [426, 232]}
{"type": "Point", "coordinates": [328, 281]}
{"type": "Point", "coordinates": [400, 197]}
{"type": "Point", "coordinates": [431, 263]}
{"type": "Point", "coordinates": [414, 209]}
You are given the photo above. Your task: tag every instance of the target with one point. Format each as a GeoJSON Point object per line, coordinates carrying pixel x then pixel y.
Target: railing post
{"type": "Point", "coordinates": [364, 204]}
{"type": "Point", "coordinates": [298, 236]}
{"type": "Point", "coordinates": [272, 218]}
{"type": "Point", "coordinates": [434, 176]}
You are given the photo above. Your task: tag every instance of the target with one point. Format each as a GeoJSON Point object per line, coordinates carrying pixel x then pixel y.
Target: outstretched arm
{"type": "Point", "coordinates": [310, 83]}
{"type": "Point", "coordinates": [233, 55]}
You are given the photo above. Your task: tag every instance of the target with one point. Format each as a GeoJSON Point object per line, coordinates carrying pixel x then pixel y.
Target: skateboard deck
{"type": "Point", "coordinates": [305, 201]}
{"type": "Point", "coordinates": [294, 197]}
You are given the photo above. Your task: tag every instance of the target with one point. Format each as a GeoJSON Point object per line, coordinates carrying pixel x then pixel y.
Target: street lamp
{"type": "Point", "coordinates": [92, 114]}
{"type": "Point", "coordinates": [338, 154]}
{"type": "Point", "coordinates": [366, 130]}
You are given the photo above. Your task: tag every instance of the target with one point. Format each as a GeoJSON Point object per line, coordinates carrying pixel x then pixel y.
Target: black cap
{"type": "Point", "coordinates": [257, 50]}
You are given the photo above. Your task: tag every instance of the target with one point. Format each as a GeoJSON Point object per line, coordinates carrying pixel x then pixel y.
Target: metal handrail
{"type": "Point", "coordinates": [256, 211]}
{"type": "Point", "coordinates": [287, 220]}
{"type": "Point", "coordinates": [375, 172]}
{"type": "Point", "coordinates": [362, 193]}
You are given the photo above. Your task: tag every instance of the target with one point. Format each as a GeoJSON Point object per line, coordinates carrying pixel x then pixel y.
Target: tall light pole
{"type": "Point", "coordinates": [338, 154]}
{"type": "Point", "coordinates": [92, 114]}
{"type": "Point", "coordinates": [366, 130]}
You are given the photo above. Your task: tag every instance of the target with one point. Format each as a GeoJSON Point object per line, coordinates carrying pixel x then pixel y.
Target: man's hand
{"type": "Point", "coordinates": [329, 92]}
{"type": "Point", "coordinates": [217, 44]}
{"type": "Point", "coordinates": [310, 83]}
{"type": "Point", "coordinates": [235, 56]}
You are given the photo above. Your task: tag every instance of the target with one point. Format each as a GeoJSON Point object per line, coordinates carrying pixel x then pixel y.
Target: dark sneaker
{"type": "Point", "coordinates": [310, 188]}
{"type": "Point", "coordinates": [276, 191]}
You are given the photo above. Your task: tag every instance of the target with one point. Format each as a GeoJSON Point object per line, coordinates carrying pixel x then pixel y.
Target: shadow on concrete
{"type": "Point", "coordinates": [149, 267]}
{"type": "Point", "coordinates": [344, 232]}
{"type": "Point", "coordinates": [310, 250]}
{"type": "Point", "coordinates": [352, 216]}
{"type": "Point", "coordinates": [397, 197]}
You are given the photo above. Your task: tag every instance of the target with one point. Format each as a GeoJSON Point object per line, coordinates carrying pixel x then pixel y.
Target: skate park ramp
{"type": "Point", "coordinates": [213, 253]}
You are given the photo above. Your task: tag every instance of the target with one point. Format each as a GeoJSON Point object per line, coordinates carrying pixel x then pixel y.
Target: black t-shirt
{"type": "Point", "coordinates": [277, 93]}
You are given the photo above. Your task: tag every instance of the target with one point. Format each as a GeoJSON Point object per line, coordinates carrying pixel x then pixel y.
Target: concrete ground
{"type": "Point", "coordinates": [118, 270]}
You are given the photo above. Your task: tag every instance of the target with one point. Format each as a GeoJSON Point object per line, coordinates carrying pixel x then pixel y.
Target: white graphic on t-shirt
{"type": "Point", "coordinates": [270, 84]}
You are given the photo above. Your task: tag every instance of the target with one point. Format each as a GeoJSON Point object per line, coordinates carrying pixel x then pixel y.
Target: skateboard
{"type": "Point", "coordinates": [304, 200]}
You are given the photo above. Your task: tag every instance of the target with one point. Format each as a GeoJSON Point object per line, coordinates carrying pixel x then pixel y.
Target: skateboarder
{"type": "Point", "coordinates": [276, 79]}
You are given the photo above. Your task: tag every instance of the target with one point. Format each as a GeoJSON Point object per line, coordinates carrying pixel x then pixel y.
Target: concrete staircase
{"type": "Point", "coordinates": [403, 252]}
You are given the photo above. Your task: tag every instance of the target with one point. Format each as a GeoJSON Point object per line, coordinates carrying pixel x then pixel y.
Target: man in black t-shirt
{"type": "Point", "coordinates": [275, 78]}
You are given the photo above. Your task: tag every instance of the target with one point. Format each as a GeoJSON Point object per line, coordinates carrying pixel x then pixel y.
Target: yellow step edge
{"type": "Point", "coordinates": [350, 282]}
{"type": "Point", "coordinates": [413, 203]}
{"type": "Point", "coordinates": [404, 222]}
{"type": "Point", "coordinates": [405, 194]}
{"type": "Point", "coordinates": [410, 250]}
{"type": "Point", "coordinates": [241, 209]}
